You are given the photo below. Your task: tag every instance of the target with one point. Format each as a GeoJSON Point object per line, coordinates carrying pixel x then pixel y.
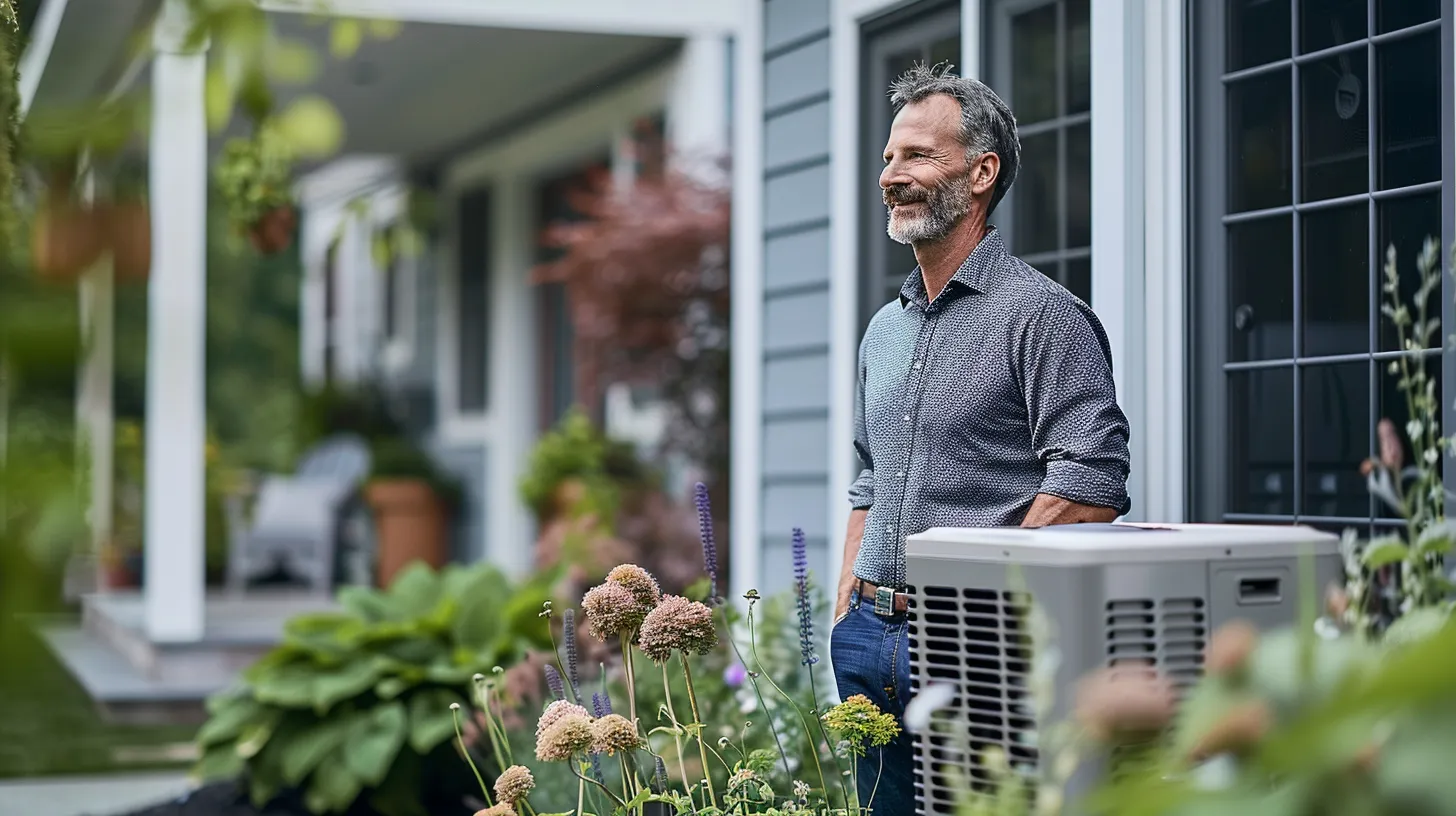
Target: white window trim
{"type": "Point", "coordinates": [670, 18]}
{"type": "Point", "coordinates": [513, 168]}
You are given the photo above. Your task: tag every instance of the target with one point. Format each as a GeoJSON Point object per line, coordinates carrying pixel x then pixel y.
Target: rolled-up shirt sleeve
{"type": "Point", "coordinates": [1077, 428]}
{"type": "Point", "coordinates": [862, 492]}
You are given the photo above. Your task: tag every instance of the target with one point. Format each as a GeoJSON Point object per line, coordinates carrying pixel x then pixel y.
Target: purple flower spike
{"type": "Point", "coordinates": [601, 704]}
{"type": "Point", "coordinates": [553, 682]}
{"type": "Point", "coordinates": [710, 547]}
{"type": "Point", "coordinates": [568, 635]}
{"type": "Point", "coordinates": [801, 589]}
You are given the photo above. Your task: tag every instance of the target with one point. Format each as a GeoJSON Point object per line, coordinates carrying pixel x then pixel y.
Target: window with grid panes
{"type": "Point", "coordinates": [1041, 64]}
{"type": "Point", "coordinates": [928, 33]}
{"type": "Point", "coordinates": [1318, 140]}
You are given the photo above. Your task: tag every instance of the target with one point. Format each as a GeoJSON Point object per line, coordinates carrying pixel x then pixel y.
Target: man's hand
{"type": "Point", "coordinates": [852, 537]}
{"type": "Point", "coordinates": [1047, 510]}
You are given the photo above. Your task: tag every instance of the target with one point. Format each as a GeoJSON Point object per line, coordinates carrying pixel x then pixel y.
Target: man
{"type": "Point", "coordinates": [985, 393]}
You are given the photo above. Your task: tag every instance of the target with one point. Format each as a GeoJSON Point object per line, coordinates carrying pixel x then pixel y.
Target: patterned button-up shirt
{"type": "Point", "coordinates": [971, 404]}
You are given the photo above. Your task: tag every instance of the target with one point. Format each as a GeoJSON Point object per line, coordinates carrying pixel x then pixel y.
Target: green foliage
{"type": "Point", "coordinates": [351, 701]}
{"type": "Point", "coordinates": [255, 175]}
{"type": "Point", "coordinates": [576, 450]}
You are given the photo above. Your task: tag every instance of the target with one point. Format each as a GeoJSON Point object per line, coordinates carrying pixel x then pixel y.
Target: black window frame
{"type": "Point", "coordinates": [473, 265]}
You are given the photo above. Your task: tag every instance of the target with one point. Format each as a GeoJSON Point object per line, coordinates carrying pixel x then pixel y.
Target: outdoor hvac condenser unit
{"type": "Point", "coordinates": [1113, 594]}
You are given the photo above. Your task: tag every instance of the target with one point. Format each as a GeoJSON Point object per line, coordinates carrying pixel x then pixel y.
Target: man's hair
{"type": "Point", "coordinates": [987, 124]}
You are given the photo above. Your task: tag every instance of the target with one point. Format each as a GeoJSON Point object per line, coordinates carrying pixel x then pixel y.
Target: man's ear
{"type": "Point", "coordinates": [985, 169]}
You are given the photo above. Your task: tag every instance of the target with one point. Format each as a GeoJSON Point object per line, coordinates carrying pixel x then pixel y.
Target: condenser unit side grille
{"type": "Point", "coordinates": [972, 640]}
{"type": "Point", "coordinates": [1166, 636]}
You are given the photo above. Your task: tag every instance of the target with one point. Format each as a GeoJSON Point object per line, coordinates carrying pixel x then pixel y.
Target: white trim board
{"type": "Point", "coordinates": [746, 328]}
{"type": "Point", "coordinates": [659, 17]}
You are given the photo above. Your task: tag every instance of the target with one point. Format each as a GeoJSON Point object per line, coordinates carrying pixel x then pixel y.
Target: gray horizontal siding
{"type": "Point", "coordinates": [799, 135]}
{"type": "Point", "coordinates": [796, 383]}
{"type": "Point", "coordinates": [796, 75]}
{"type": "Point", "coordinates": [796, 198]}
{"type": "Point", "coordinates": [795, 448]}
{"type": "Point", "coordinates": [794, 480]}
{"type": "Point", "coordinates": [796, 321]}
{"type": "Point", "coordinates": [788, 20]}
{"type": "Point", "coordinates": [796, 259]}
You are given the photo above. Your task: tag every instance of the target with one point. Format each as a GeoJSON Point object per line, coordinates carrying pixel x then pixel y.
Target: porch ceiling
{"type": "Point", "coordinates": [431, 89]}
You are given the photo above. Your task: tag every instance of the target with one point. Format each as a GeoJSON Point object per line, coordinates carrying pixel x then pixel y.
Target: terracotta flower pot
{"type": "Point", "coordinates": [129, 232]}
{"type": "Point", "coordinates": [410, 525]}
{"type": "Point", "coordinates": [273, 233]}
{"type": "Point", "coordinates": [66, 239]}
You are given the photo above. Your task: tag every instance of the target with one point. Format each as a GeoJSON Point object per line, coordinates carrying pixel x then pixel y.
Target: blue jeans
{"type": "Point", "coordinates": [871, 656]}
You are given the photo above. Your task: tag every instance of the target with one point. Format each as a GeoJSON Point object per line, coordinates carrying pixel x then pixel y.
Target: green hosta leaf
{"type": "Point", "coordinates": [448, 674]}
{"type": "Point", "coordinates": [479, 622]}
{"type": "Point", "coordinates": [345, 37]}
{"type": "Point", "coordinates": [1415, 764]}
{"type": "Point", "coordinates": [228, 720]}
{"type": "Point", "coordinates": [289, 686]}
{"type": "Point", "coordinates": [365, 602]}
{"type": "Point", "coordinates": [415, 591]}
{"type": "Point", "coordinates": [1383, 552]}
{"type": "Point", "coordinates": [218, 762]}
{"type": "Point", "coordinates": [431, 720]}
{"type": "Point", "coordinates": [332, 789]}
{"type": "Point", "coordinates": [307, 748]}
{"type": "Point", "coordinates": [399, 793]}
{"type": "Point", "coordinates": [374, 740]}
{"type": "Point", "coordinates": [311, 126]}
{"type": "Point", "coordinates": [391, 687]}
{"type": "Point", "coordinates": [349, 680]}
{"type": "Point", "coordinates": [255, 735]}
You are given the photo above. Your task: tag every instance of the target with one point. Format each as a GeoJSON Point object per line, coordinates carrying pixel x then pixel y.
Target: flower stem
{"type": "Point", "coordinates": [580, 795]}
{"type": "Point", "coordinates": [631, 677]}
{"type": "Point", "coordinates": [698, 727]}
{"type": "Point", "coordinates": [676, 738]}
{"type": "Point", "coordinates": [608, 791]}
{"type": "Point", "coordinates": [753, 648]}
{"type": "Point", "coordinates": [464, 749]}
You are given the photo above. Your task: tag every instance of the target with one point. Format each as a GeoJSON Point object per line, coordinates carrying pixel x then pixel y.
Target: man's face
{"type": "Point", "coordinates": [926, 183]}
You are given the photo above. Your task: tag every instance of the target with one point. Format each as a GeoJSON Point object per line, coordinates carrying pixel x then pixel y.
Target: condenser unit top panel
{"type": "Point", "coordinates": [1100, 544]}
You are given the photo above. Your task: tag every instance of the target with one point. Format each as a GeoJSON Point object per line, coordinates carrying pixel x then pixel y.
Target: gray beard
{"type": "Point", "coordinates": [947, 204]}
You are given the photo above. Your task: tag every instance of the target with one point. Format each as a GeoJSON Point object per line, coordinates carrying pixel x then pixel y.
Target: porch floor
{"type": "Point", "coordinates": [133, 680]}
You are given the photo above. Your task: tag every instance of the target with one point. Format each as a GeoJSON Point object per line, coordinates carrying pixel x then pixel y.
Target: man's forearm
{"type": "Point", "coordinates": [852, 537]}
{"type": "Point", "coordinates": [1047, 510]}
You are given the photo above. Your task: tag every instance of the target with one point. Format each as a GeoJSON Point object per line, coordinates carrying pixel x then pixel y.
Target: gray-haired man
{"type": "Point", "coordinates": [985, 392]}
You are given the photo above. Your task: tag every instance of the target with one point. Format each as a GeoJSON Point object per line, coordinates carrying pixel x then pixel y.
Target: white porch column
{"type": "Point", "coordinates": [176, 337]}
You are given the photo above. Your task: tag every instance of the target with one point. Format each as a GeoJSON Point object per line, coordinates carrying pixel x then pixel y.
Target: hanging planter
{"type": "Point", "coordinates": [254, 177]}
{"type": "Point", "coordinates": [129, 236]}
{"type": "Point", "coordinates": [66, 236]}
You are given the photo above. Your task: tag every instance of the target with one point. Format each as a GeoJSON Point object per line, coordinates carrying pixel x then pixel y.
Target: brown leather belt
{"type": "Point", "coordinates": [898, 602]}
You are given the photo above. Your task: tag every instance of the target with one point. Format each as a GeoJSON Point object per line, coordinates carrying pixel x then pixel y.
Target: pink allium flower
{"type": "Point", "coordinates": [614, 733]}
{"type": "Point", "coordinates": [639, 582]}
{"type": "Point", "coordinates": [677, 624]}
{"type": "Point", "coordinates": [555, 712]}
{"type": "Point", "coordinates": [611, 609]}
{"type": "Point", "coordinates": [500, 809]}
{"type": "Point", "coordinates": [514, 784]}
{"type": "Point", "coordinates": [569, 736]}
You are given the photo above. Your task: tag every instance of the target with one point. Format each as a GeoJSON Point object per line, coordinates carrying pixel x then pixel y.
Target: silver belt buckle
{"type": "Point", "coordinates": [884, 601]}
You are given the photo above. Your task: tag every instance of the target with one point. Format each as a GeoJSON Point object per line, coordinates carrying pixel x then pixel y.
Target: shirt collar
{"type": "Point", "coordinates": [979, 272]}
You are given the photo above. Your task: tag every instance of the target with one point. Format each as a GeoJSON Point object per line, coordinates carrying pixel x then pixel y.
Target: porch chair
{"type": "Point", "coordinates": [296, 528]}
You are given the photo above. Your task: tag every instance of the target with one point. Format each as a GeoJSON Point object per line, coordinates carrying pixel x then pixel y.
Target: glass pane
{"type": "Point", "coordinates": [1034, 64]}
{"type": "Point", "coordinates": [1323, 23]}
{"type": "Point", "coordinates": [1261, 289]}
{"type": "Point", "coordinates": [1261, 441]}
{"type": "Point", "coordinates": [1079, 186]}
{"type": "Point", "coordinates": [1079, 56]}
{"type": "Point", "coordinates": [1336, 437]}
{"type": "Point", "coordinates": [1035, 194]}
{"type": "Point", "coordinates": [947, 49]}
{"type": "Point", "coordinates": [1258, 32]}
{"type": "Point", "coordinates": [1405, 223]}
{"type": "Point", "coordinates": [1391, 15]}
{"type": "Point", "coordinates": [1336, 281]}
{"type": "Point", "coordinates": [1334, 126]}
{"type": "Point", "coordinates": [1393, 406]}
{"type": "Point", "coordinates": [1079, 278]}
{"type": "Point", "coordinates": [1410, 110]}
{"type": "Point", "coordinates": [1259, 142]}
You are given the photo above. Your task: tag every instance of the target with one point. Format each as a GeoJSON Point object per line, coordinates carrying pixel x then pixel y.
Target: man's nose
{"type": "Point", "coordinates": [892, 176]}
